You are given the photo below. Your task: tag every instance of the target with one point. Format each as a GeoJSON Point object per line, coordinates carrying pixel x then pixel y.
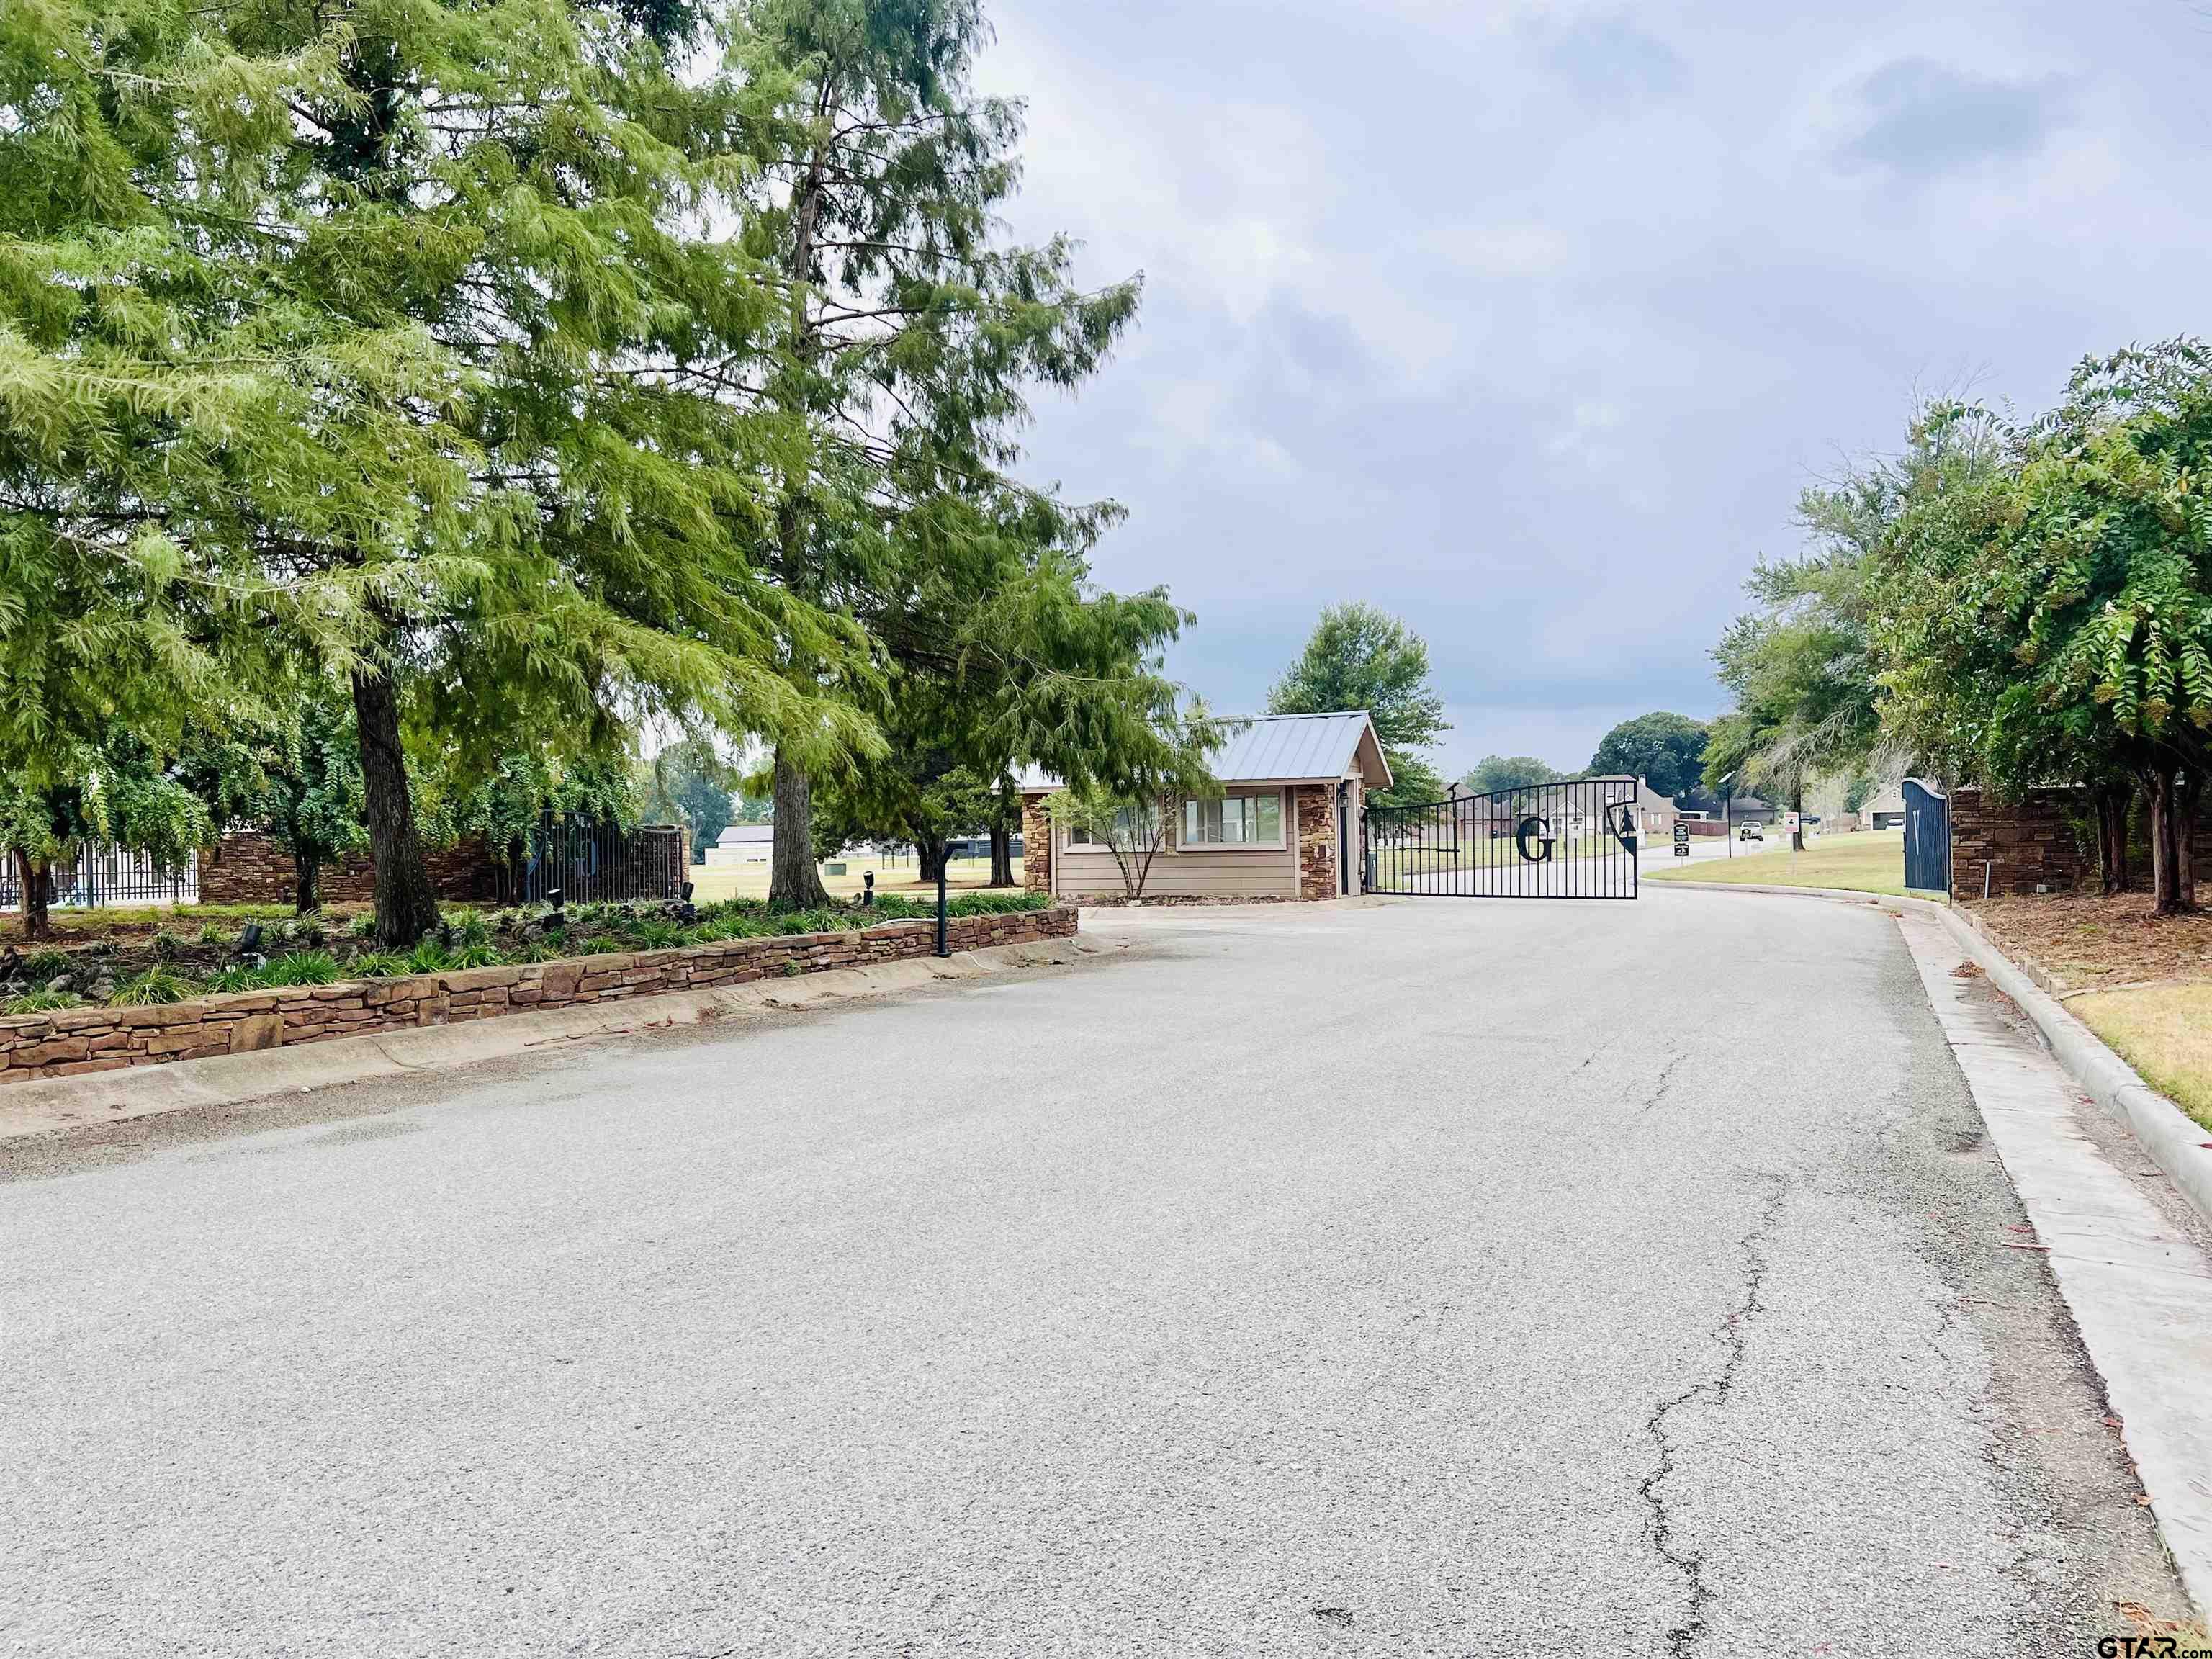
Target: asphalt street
{"type": "Point", "coordinates": [1451, 1277]}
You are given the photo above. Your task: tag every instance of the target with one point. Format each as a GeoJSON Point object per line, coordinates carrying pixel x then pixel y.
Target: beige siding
{"type": "Point", "coordinates": [1210, 872]}
{"type": "Point", "coordinates": [1200, 872]}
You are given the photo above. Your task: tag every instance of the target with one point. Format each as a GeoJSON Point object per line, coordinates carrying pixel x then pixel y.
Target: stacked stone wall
{"type": "Point", "coordinates": [70, 1041]}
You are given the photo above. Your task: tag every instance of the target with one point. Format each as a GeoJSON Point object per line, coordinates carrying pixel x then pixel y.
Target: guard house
{"type": "Point", "coordinates": [1285, 826]}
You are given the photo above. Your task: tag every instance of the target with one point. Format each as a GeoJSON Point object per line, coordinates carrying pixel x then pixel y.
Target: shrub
{"type": "Point", "coordinates": [657, 935]}
{"type": "Point", "coordinates": [428, 957]}
{"type": "Point", "coordinates": [236, 979]}
{"type": "Point", "coordinates": [377, 964]}
{"type": "Point", "coordinates": [154, 985]}
{"type": "Point", "coordinates": [478, 955]}
{"type": "Point", "coordinates": [211, 934]}
{"type": "Point", "coordinates": [470, 927]}
{"type": "Point", "coordinates": [42, 1002]}
{"type": "Point", "coordinates": [362, 925]}
{"type": "Point", "coordinates": [167, 945]}
{"type": "Point", "coordinates": [302, 967]}
{"type": "Point", "coordinates": [42, 965]}
{"type": "Point", "coordinates": [597, 947]}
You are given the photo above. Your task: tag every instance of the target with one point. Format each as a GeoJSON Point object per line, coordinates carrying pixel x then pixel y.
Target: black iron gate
{"type": "Point", "coordinates": [1571, 840]}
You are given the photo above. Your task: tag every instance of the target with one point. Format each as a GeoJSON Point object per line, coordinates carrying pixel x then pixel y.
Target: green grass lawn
{"type": "Point", "coordinates": [715, 882]}
{"type": "Point", "coordinates": [1866, 861]}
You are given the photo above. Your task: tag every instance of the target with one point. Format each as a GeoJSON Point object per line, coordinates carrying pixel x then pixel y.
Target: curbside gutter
{"type": "Point", "coordinates": [60, 1104]}
{"type": "Point", "coordinates": [2174, 1140]}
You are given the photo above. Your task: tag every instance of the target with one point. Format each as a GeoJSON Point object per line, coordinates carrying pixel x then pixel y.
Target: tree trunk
{"type": "Point", "coordinates": [795, 883]}
{"type": "Point", "coordinates": [2165, 892]}
{"type": "Point", "coordinates": [306, 867]}
{"type": "Point", "coordinates": [1797, 805]}
{"type": "Point", "coordinates": [930, 855]}
{"type": "Point", "coordinates": [1002, 856]}
{"type": "Point", "coordinates": [2189, 800]}
{"type": "Point", "coordinates": [406, 903]}
{"type": "Point", "coordinates": [38, 877]}
{"type": "Point", "coordinates": [2112, 803]}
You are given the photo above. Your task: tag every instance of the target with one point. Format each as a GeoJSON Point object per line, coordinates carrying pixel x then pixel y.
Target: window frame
{"type": "Point", "coordinates": [1245, 793]}
{"type": "Point", "coordinates": [1076, 839]}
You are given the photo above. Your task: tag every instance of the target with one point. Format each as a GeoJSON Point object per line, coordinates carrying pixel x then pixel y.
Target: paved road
{"type": "Point", "coordinates": [1443, 1277]}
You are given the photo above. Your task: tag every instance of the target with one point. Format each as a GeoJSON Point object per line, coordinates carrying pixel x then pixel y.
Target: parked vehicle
{"type": "Point", "coordinates": [1750, 832]}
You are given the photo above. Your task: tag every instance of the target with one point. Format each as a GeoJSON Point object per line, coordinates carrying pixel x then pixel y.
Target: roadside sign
{"type": "Point", "coordinates": [1681, 839]}
{"type": "Point", "coordinates": [1790, 823]}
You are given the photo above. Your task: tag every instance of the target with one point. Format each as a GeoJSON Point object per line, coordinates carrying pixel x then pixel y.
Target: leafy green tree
{"type": "Point", "coordinates": [117, 791]}
{"type": "Point", "coordinates": [1668, 752]}
{"type": "Point", "coordinates": [1496, 772]}
{"type": "Point", "coordinates": [2105, 585]}
{"type": "Point", "coordinates": [502, 804]}
{"type": "Point", "coordinates": [908, 335]}
{"type": "Point", "coordinates": [1359, 657]}
{"type": "Point", "coordinates": [395, 335]}
{"type": "Point", "coordinates": [688, 783]}
{"type": "Point", "coordinates": [295, 773]}
{"type": "Point", "coordinates": [1132, 814]}
{"type": "Point", "coordinates": [1799, 663]}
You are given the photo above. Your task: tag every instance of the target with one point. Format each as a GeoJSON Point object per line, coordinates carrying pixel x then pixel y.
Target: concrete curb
{"type": "Point", "coordinates": [49, 1105]}
{"type": "Point", "coordinates": [2174, 1140]}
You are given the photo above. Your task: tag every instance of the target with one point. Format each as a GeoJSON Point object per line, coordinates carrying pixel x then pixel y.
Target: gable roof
{"type": "Point", "coordinates": [1284, 749]}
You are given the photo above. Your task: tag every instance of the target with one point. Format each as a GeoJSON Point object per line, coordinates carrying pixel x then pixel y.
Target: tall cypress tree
{"type": "Point", "coordinates": [363, 335]}
{"type": "Point", "coordinates": [909, 334]}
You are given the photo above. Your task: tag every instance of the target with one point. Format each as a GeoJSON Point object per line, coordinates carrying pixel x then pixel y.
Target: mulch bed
{"type": "Point", "coordinates": [2098, 941]}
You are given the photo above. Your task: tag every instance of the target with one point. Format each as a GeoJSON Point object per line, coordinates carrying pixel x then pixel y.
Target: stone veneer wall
{"type": "Point", "coordinates": [2033, 842]}
{"type": "Point", "coordinates": [1316, 842]}
{"type": "Point", "coordinates": [77, 1040]}
{"type": "Point", "coordinates": [1036, 845]}
{"type": "Point", "coordinates": [248, 867]}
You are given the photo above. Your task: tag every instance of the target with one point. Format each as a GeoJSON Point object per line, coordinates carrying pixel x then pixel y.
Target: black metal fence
{"type": "Point", "coordinates": [1572, 840]}
{"type": "Point", "coordinates": [593, 863]}
{"type": "Point", "coordinates": [104, 876]}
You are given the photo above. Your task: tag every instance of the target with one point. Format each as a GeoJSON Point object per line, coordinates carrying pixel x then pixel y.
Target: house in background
{"type": "Point", "coordinates": [1885, 810]}
{"type": "Point", "coordinates": [742, 843]}
{"type": "Point", "coordinates": [1286, 825]}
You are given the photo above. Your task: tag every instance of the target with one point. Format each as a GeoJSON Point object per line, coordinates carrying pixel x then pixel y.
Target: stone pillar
{"type": "Point", "coordinates": [1316, 815]}
{"type": "Point", "coordinates": [1036, 845]}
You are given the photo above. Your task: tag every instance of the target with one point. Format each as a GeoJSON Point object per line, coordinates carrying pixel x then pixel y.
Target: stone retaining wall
{"type": "Point", "coordinates": [76, 1040]}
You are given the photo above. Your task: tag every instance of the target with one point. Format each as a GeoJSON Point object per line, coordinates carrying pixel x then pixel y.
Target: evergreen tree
{"type": "Point", "coordinates": [907, 339]}
{"type": "Point", "coordinates": [385, 338]}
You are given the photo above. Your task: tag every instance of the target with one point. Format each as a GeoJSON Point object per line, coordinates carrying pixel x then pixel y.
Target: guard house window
{"type": "Point", "coordinates": [1131, 828]}
{"type": "Point", "coordinates": [1234, 821]}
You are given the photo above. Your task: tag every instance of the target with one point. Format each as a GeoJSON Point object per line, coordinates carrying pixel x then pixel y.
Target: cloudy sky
{"type": "Point", "coordinates": [1529, 320]}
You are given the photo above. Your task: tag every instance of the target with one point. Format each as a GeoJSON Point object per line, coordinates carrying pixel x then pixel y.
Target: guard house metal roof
{"type": "Point", "coordinates": [1284, 749]}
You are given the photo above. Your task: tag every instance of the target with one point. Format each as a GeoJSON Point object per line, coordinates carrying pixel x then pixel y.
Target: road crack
{"type": "Point", "coordinates": [1735, 1335]}
{"type": "Point", "coordinates": [1666, 1082]}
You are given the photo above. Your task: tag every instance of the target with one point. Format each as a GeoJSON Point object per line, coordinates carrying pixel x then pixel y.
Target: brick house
{"type": "Point", "coordinates": [1286, 825]}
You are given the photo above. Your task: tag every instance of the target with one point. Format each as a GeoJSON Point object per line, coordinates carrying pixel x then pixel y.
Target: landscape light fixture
{"type": "Point", "coordinates": [867, 889]}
